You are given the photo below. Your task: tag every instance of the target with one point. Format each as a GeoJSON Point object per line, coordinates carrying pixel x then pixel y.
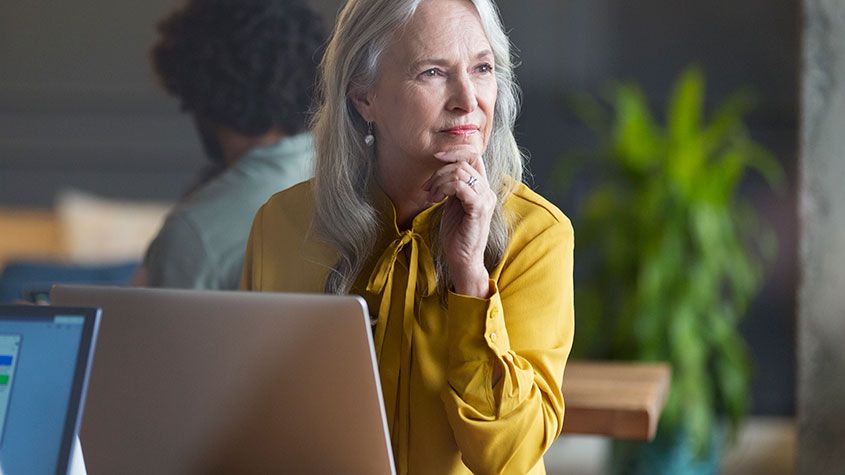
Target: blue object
{"type": "Point", "coordinates": [670, 453]}
{"type": "Point", "coordinates": [31, 281]}
{"type": "Point", "coordinates": [42, 392]}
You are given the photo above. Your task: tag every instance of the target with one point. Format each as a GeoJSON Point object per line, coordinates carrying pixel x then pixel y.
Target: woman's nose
{"type": "Point", "coordinates": [462, 94]}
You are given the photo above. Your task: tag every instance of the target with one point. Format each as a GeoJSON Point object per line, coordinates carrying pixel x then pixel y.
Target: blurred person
{"type": "Point", "coordinates": [245, 71]}
{"type": "Point", "coordinates": [418, 206]}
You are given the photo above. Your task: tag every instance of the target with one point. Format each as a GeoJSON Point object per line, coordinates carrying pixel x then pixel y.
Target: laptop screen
{"type": "Point", "coordinates": [44, 361]}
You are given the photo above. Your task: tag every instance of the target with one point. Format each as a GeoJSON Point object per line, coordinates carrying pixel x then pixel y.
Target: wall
{"type": "Point", "coordinates": [79, 106]}
{"type": "Point", "coordinates": [821, 358]}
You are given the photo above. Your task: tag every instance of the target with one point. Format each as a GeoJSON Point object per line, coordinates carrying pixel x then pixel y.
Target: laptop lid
{"type": "Point", "coordinates": [231, 382]}
{"type": "Point", "coordinates": [45, 355]}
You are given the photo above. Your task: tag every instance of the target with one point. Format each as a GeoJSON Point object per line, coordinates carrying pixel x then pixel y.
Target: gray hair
{"type": "Point", "coordinates": [345, 166]}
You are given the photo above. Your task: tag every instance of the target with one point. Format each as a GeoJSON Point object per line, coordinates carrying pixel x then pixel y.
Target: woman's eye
{"type": "Point", "coordinates": [485, 68]}
{"type": "Point", "coordinates": [430, 73]}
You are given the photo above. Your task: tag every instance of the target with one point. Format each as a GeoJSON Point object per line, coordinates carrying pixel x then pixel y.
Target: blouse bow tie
{"type": "Point", "coordinates": [396, 372]}
{"type": "Point", "coordinates": [381, 280]}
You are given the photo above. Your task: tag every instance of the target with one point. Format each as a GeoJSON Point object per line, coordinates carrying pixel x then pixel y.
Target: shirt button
{"type": "Point", "coordinates": [493, 337]}
{"type": "Point", "coordinates": [494, 311]}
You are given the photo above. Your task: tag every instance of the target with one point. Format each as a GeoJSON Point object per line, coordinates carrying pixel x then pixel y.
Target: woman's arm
{"type": "Point", "coordinates": [525, 329]}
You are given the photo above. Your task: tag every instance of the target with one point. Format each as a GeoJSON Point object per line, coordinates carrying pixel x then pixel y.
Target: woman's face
{"type": "Point", "coordinates": [435, 90]}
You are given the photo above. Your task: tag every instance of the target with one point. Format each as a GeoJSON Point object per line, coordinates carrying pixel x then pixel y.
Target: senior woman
{"type": "Point", "coordinates": [417, 205]}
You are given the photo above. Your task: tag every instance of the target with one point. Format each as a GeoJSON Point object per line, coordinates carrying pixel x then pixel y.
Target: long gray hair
{"type": "Point", "coordinates": [345, 166]}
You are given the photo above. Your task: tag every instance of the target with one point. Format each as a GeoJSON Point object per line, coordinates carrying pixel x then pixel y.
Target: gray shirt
{"type": "Point", "coordinates": [202, 242]}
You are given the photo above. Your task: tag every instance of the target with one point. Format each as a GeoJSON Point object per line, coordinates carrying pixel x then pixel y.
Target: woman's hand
{"type": "Point", "coordinates": [465, 224]}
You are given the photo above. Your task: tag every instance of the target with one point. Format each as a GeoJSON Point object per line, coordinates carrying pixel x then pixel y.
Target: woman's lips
{"type": "Point", "coordinates": [462, 130]}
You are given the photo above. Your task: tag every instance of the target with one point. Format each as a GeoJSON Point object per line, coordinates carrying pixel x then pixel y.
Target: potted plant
{"type": "Point", "coordinates": [669, 257]}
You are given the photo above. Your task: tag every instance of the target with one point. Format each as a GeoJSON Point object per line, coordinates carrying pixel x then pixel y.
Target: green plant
{"type": "Point", "coordinates": [670, 254]}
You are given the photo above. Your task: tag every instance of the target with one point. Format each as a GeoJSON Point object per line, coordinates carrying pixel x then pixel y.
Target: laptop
{"type": "Point", "coordinates": [231, 382]}
{"type": "Point", "coordinates": [45, 358]}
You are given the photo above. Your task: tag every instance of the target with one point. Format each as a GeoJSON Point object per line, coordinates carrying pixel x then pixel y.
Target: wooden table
{"type": "Point", "coordinates": [615, 399]}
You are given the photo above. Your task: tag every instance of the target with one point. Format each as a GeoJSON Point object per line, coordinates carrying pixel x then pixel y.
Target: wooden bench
{"type": "Point", "coordinates": [615, 399]}
{"type": "Point", "coordinates": [29, 234]}
{"type": "Point", "coordinates": [82, 229]}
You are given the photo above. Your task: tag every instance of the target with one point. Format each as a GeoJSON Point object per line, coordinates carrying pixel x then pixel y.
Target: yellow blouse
{"type": "Point", "coordinates": [436, 364]}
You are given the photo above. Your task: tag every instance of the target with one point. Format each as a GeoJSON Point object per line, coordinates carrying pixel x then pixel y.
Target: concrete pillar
{"type": "Point", "coordinates": [821, 312]}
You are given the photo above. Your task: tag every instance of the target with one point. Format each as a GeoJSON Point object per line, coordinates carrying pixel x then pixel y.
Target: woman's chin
{"type": "Point", "coordinates": [448, 142]}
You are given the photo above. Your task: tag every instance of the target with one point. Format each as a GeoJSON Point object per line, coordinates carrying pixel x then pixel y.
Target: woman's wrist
{"type": "Point", "coordinates": [473, 284]}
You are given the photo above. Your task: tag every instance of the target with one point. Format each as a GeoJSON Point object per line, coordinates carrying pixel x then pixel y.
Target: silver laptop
{"type": "Point", "coordinates": [45, 358]}
{"type": "Point", "coordinates": [231, 382]}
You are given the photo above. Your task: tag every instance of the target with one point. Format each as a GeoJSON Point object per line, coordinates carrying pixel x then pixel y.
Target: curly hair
{"type": "Point", "coordinates": [249, 65]}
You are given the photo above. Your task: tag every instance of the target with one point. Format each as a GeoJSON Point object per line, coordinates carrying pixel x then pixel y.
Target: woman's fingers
{"type": "Point", "coordinates": [457, 179]}
{"type": "Point", "coordinates": [446, 172]}
{"type": "Point", "coordinates": [479, 165]}
{"type": "Point", "coordinates": [464, 154]}
{"type": "Point", "coordinates": [457, 188]}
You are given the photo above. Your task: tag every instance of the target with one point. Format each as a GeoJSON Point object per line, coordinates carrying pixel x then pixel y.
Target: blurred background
{"type": "Point", "coordinates": [89, 140]}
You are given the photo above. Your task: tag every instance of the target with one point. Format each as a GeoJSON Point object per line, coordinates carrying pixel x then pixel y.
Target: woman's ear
{"type": "Point", "coordinates": [363, 102]}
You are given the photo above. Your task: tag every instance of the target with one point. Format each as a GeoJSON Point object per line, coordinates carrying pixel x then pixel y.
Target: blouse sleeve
{"type": "Point", "coordinates": [526, 328]}
{"type": "Point", "coordinates": [251, 273]}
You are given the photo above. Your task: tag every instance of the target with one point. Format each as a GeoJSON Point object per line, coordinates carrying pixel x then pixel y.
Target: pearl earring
{"type": "Point", "coordinates": [369, 139]}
